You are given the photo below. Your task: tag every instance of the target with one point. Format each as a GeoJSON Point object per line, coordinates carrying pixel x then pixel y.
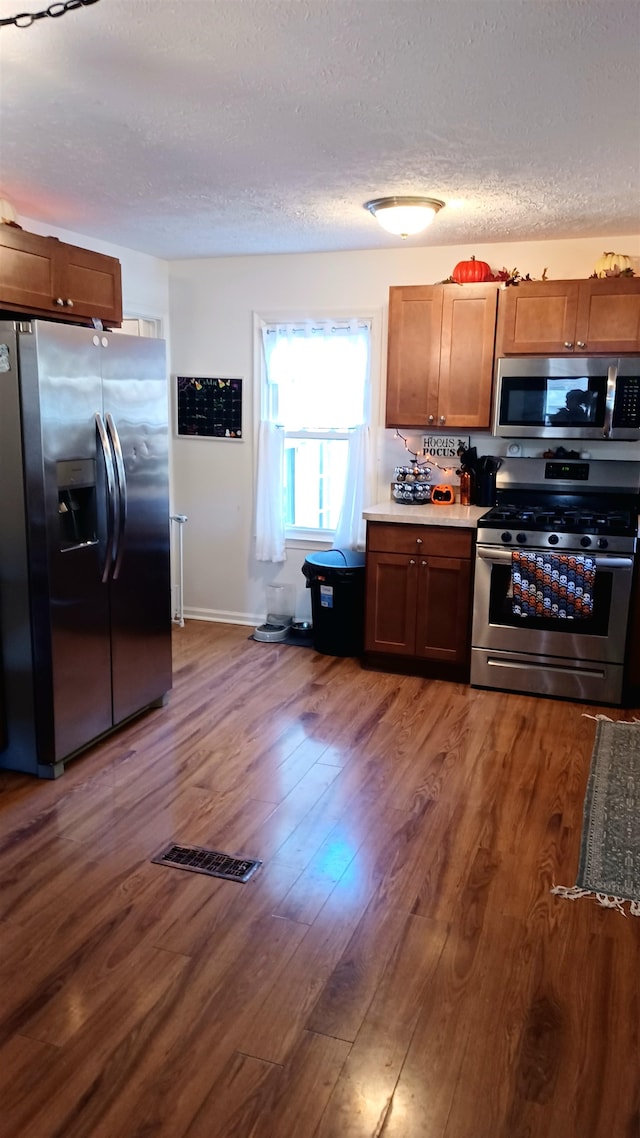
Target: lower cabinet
{"type": "Point", "coordinates": [418, 595]}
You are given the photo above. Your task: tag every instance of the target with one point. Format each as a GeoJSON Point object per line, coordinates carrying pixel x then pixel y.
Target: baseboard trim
{"type": "Point", "coordinates": [219, 617]}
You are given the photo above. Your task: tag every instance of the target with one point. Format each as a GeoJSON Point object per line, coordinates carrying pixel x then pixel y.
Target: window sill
{"type": "Point", "coordinates": [309, 539]}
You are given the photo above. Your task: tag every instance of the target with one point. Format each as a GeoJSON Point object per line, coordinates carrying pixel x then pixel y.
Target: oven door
{"type": "Point", "coordinates": [600, 637]}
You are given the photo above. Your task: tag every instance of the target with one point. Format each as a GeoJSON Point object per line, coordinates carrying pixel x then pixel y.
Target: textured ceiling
{"type": "Point", "coordinates": [213, 127]}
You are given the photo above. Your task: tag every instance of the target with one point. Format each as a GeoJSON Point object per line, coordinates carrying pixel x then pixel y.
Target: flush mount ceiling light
{"type": "Point", "coordinates": [404, 216]}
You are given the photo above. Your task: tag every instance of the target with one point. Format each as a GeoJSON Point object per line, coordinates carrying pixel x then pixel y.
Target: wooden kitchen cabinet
{"type": "Point", "coordinates": [92, 283]}
{"type": "Point", "coordinates": [418, 595]}
{"type": "Point", "coordinates": [42, 276]}
{"type": "Point", "coordinates": [440, 356]}
{"type": "Point", "coordinates": [390, 607]}
{"type": "Point", "coordinates": [558, 318]}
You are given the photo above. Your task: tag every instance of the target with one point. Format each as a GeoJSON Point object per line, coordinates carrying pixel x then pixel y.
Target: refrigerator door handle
{"type": "Point", "coordinates": [111, 496]}
{"type": "Point", "coordinates": [121, 478]}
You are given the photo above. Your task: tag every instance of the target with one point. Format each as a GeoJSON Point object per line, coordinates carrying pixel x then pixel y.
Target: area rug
{"type": "Point", "coordinates": [609, 868]}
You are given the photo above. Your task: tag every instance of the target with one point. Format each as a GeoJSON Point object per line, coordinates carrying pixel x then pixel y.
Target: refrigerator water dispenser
{"type": "Point", "coordinates": [76, 480]}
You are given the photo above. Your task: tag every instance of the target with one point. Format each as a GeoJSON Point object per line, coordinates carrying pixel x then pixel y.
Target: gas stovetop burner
{"type": "Point", "coordinates": [584, 507]}
{"type": "Point", "coordinates": [564, 528]}
{"type": "Point", "coordinates": [565, 518]}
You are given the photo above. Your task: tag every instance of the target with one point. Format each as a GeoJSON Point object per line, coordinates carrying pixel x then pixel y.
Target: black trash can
{"type": "Point", "coordinates": [336, 580]}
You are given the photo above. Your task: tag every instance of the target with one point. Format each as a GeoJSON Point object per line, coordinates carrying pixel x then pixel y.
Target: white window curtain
{"type": "Point", "coordinates": [308, 366]}
{"type": "Point", "coordinates": [350, 533]}
{"type": "Point", "coordinates": [270, 536]}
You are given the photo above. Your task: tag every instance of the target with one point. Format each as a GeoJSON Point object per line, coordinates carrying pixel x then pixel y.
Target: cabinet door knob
{"type": "Point", "coordinates": [568, 344]}
{"type": "Point", "coordinates": [443, 418]}
{"type": "Point", "coordinates": [418, 541]}
{"type": "Point", "coordinates": [430, 419]}
{"type": "Point", "coordinates": [423, 562]}
{"type": "Point", "coordinates": [411, 561]}
{"type": "Point", "coordinates": [59, 301]}
{"type": "Point", "coordinates": [69, 303]}
{"type": "Point", "coordinates": [581, 344]}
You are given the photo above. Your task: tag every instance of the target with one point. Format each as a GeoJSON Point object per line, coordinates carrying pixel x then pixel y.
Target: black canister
{"type": "Point", "coordinates": [486, 479]}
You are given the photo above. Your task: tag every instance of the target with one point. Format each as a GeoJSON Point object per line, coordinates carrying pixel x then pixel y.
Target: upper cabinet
{"type": "Point", "coordinates": [555, 318]}
{"type": "Point", "coordinates": [42, 276]}
{"type": "Point", "coordinates": [90, 283]}
{"type": "Point", "coordinates": [440, 356]}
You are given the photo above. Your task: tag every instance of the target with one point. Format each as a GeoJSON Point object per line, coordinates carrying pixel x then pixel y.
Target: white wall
{"type": "Point", "coordinates": [212, 306]}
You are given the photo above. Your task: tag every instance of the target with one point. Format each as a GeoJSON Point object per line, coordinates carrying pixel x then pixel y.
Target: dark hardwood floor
{"type": "Point", "coordinates": [396, 969]}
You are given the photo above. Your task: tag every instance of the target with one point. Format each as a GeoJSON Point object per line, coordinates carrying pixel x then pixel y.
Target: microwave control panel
{"type": "Point", "coordinates": [626, 411]}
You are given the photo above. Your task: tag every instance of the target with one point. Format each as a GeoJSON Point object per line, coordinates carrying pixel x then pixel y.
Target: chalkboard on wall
{"type": "Point", "coordinates": [209, 407]}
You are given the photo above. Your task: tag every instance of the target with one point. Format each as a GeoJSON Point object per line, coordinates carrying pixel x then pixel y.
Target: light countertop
{"type": "Point", "coordinates": [465, 517]}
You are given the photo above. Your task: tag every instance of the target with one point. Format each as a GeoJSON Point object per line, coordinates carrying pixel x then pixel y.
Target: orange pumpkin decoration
{"type": "Point", "coordinates": [472, 272]}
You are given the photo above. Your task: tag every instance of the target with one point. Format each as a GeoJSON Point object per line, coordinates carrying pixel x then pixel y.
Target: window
{"type": "Point", "coordinates": [316, 386]}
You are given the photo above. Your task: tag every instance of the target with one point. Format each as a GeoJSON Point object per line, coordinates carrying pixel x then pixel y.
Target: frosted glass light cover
{"type": "Point", "coordinates": [404, 217]}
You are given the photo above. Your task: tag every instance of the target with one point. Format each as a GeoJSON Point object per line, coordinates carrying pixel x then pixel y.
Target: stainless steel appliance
{"type": "Point", "coordinates": [84, 556]}
{"type": "Point", "coordinates": [567, 398]}
{"type": "Point", "coordinates": [557, 507]}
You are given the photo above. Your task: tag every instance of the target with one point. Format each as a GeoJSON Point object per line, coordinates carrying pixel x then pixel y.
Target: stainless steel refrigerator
{"type": "Point", "coordinates": [85, 631]}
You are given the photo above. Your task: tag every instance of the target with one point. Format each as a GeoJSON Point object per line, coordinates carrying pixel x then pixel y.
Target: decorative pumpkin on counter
{"type": "Point", "coordinates": [472, 272]}
{"type": "Point", "coordinates": [443, 495]}
{"type": "Point", "coordinates": [613, 265]}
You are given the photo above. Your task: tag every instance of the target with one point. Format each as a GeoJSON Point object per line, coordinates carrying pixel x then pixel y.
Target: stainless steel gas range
{"type": "Point", "coordinates": [553, 577]}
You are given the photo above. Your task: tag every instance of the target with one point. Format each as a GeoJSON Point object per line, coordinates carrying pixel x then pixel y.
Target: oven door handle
{"type": "Point", "coordinates": [503, 556]}
{"type": "Point", "coordinates": [609, 403]}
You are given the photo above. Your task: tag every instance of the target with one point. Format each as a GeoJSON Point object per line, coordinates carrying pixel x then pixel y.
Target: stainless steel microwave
{"type": "Point", "coordinates": [567, 398]}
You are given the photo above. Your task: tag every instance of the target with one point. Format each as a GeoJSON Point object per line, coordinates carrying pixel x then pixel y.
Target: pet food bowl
{"type": "Point", "coordinates": [301, 628]}
{"type": "Point", "coordinates": [271, 633]}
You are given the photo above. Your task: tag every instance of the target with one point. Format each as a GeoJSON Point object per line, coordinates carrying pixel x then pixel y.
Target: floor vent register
{"type": "Point", "coordinates": [211, 862]}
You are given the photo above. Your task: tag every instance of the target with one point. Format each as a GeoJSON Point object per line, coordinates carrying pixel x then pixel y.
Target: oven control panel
{"type": "Point", "coordinates": [565, 542]}
{"type": "Point", "coordinates": [586, 541]}
{"type": "Point", "coordinates": [567, 471]}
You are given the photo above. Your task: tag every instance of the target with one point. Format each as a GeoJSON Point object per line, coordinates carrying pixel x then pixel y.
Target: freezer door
{"type": "Point", "coordinates": [136, 416]}
{"type": "Point", "coordinates": [67, 537]}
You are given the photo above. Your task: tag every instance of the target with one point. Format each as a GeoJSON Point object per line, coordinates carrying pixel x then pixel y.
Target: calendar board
{"type": "Point", "coordinates": [209, 407]}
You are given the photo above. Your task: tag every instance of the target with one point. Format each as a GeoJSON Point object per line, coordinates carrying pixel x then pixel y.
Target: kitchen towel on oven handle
{"type": "Point", "coordinates": [557, 586]}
